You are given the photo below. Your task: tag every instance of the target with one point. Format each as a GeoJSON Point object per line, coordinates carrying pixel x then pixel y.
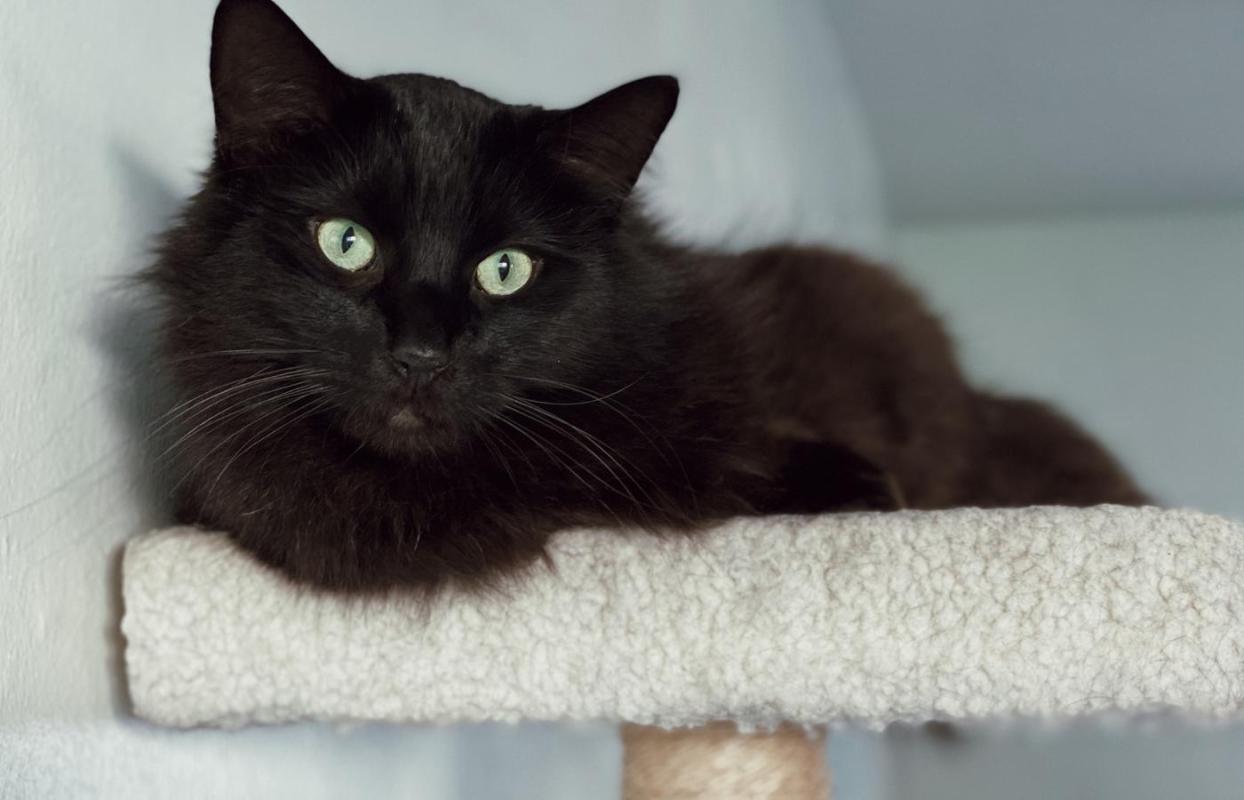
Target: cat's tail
{"type": "Point", "coordinates": [1033, 455]}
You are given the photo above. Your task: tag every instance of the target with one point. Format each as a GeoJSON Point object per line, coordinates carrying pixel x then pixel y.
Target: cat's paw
{"type": "Point", "coordinates": [819, 477]}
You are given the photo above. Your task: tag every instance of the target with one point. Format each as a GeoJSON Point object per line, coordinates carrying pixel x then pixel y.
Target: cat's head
{"type": "Point", "coordinates": [399, 254]}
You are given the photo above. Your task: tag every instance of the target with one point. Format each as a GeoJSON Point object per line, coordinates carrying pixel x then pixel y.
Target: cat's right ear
{"type": "Point", "coordinates": [608, 139]}
{"type": "Point", "coordinates": [268, 79]}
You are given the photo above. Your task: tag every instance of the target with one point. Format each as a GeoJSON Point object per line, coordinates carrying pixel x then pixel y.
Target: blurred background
{"type": "Point", "coordinates": [1064, 180]}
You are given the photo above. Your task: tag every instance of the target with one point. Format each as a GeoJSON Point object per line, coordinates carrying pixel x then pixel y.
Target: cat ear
{"type": "Point", "coordinates": [609, 138]}
{"type": "Point", "coordinates": [267, 76]}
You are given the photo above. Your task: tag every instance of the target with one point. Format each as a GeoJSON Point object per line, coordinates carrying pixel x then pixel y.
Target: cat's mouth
{"type": "Point", "coordinates": [408, 419]}
{"type": "Point", "coordinates": [418, 405]}
{"type": "Point", "coordinates": [416, 418]}
{"type": "Point", "coordinates": [405, 428]}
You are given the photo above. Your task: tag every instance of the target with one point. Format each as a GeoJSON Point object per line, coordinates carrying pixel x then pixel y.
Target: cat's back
{"type": "Point", "coordinates": [828, 308]}
{"type": "Point", "coordinates": [840, 348]}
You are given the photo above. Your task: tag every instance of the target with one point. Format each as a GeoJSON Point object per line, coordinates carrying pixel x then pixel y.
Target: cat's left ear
{"type": "Point", "coordinates": [268, 79]}
{"type": "Point", "coordinates": [608, 139]}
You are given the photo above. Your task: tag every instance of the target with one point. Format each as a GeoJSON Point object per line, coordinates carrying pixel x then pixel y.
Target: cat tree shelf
{"type": "Point", "coordinates": [779, 624]}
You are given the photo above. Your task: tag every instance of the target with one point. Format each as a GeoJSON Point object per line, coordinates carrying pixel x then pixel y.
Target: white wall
{"type": "Point", "coordinates": [106, 116]}
{"type": "Point", "coordinates": [1134, 324]}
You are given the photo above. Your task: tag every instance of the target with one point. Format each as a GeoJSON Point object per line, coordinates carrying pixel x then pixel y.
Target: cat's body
{"type": "Point", "coordinates": [839, 350]}
{"type": "Point", "coordinates": [407, 422]}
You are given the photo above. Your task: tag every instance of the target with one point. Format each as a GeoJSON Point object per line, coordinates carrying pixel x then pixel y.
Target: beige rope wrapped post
{"type": "Point", "coordinates": [718, 762]}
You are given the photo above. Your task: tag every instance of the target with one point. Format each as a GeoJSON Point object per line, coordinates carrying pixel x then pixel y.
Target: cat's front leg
{"type": "Point", "coordinates": [820, 477]}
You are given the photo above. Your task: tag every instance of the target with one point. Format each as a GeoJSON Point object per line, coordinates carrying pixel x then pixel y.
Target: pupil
{"type": "Point", "coordinates": [347, 239]}
{"type": "Point", "coordinates": [503, 267]}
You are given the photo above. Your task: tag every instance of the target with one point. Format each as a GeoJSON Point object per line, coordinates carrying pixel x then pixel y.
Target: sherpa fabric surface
{"type": "Point", "coordinates": [862, 617]}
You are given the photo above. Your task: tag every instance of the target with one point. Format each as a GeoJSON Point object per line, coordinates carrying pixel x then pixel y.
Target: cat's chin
{"type": "Point", "coordinates": [412, 435]}
{"type": "Point", "coordinates": [401, 430]}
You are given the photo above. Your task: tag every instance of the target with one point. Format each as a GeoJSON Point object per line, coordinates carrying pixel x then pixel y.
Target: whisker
{"type": "Point", "coordinates": [242, 351]}
{"type": "Point", "coordinates": [623, 477]}
{"type": "Point", "coordinates": [540, 442]}
{"type": "Point", "coordinates": [592, 396]}
{"type": "Point", "coordinates": [286, 386]}
{"type": "Point", "coordinates": [539, 415]}
{"type": "Point", "coordinates": [496, 453]}
{"type": "Point", "coordinates": [293, 416]}
{"type": "Point", "coordinates": [666, 449]}
{"type": "Point", "coordinates": [261, 377]}
{"type": "Point", "coordinates": [282, 405]}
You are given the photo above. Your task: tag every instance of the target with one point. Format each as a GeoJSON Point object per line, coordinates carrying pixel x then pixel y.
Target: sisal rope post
{"type": "Point", "coordinates": [719, 762]}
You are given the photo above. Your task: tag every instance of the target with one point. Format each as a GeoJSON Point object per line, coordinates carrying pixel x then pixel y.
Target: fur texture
{"type": "Point", "coordinates": [632, 382]}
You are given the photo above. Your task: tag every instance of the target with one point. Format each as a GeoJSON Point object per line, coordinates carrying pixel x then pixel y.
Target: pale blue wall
{"type": "Point", "coordinates": [983, 109]}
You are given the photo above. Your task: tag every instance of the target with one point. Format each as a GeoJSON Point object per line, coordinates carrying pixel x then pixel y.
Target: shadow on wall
{"type": "Point", "coordinates": [137, 395]}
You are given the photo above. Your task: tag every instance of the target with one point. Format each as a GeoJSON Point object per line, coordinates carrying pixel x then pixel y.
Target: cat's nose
{"type": "Point", "coordinates": [419, 359]}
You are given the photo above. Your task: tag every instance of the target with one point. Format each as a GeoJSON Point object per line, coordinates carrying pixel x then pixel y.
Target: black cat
{"type": "Point", "coordinates": [414, 331]}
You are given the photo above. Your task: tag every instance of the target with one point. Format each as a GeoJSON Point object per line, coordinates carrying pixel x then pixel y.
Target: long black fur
{"type": "Point", "coordinates": [632, 382]}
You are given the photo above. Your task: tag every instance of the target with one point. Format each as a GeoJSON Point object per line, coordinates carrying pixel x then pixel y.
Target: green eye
{"type": "Point", "coordinates": [346, 243]}
{"type": "Point", "coordinates": [504, 272]}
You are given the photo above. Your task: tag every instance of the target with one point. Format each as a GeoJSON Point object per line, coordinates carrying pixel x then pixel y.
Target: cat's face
{"type": "Point", "coordinates": [413, 253]}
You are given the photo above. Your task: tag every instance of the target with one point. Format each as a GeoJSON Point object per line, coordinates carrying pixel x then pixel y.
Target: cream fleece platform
{"type": "Point", "coordinates": [862, 617]}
